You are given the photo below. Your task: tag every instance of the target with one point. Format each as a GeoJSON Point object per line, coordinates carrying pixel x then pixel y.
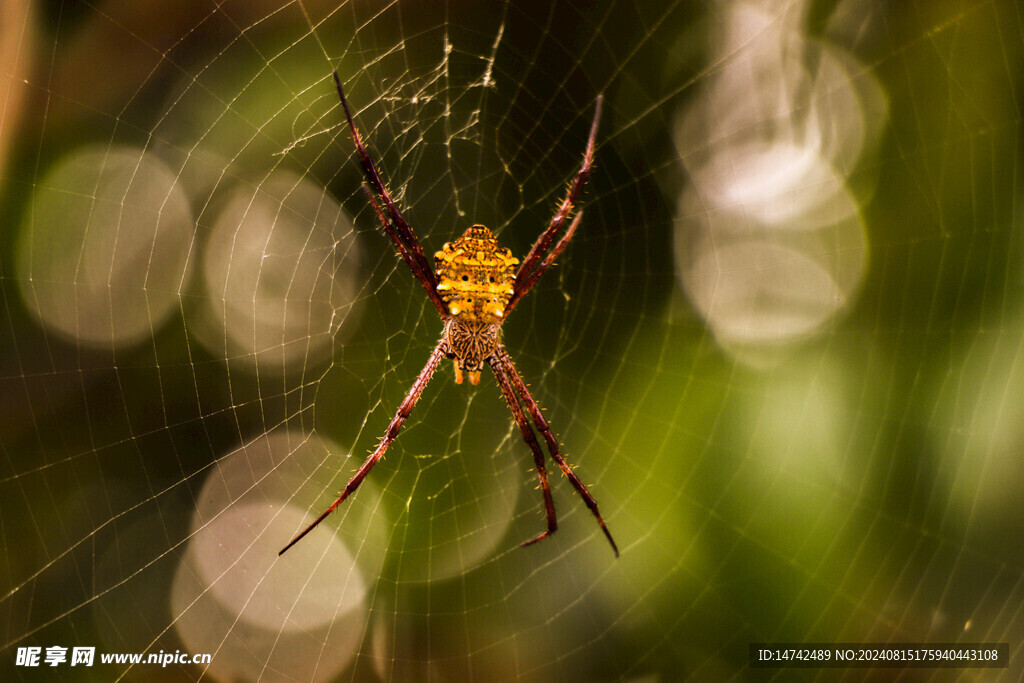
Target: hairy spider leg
{"type": "Point", "coordinates": [538, 418]}
{"type": "Point", "coordinates": [531, 440]}
{"type": "Point", "coordinates": [401, 228]}
{"type": "Point", "coordinates": [389, 436]}
{"type": "Point", "coordinates": [548, 260]}
{"type": "Point", "coordinates": [524, 281]}
{"type": "Point", "coordinates": [417, 270]}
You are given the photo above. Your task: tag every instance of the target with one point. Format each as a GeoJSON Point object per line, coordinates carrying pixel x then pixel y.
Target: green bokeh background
{"type": "Point", "coordinates": [859, 487]}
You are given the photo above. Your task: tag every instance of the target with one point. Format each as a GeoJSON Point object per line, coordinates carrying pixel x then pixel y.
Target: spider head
{"type": "Point", "coordinates": [475, 276]}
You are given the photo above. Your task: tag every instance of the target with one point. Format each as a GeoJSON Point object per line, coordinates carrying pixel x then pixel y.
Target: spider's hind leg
{"type": "Point", "coordinates": [535, 263]}
{"type": "Point", "coordinates": [391, 219]}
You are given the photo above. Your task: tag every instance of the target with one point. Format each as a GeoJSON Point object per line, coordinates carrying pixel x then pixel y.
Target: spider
{"type": "Point", "coordinates": [474, 288]}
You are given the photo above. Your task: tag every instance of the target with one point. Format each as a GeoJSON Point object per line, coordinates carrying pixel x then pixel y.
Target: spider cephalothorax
{"type": "Point", "coordinates": [475, 277]}
{"type": "Point", "coordinates": [475, 287]}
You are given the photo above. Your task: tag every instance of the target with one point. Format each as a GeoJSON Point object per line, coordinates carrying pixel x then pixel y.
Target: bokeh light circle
{"type": "Point", "coordinates": [104, 248]}
{"type": "Point", "coordinates": [279, 272]}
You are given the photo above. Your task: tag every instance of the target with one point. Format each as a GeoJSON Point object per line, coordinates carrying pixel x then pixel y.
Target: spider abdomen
{"type": "Point", "coordinates": [475, 276]}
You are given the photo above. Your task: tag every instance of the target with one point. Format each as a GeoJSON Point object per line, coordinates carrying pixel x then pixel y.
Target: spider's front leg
{"type": "Point", "coordinates": [531, 440]}
{"type": "Point", "coordinates": [516, 380]}
{"type": "Point", "coordinates": [440, 351]}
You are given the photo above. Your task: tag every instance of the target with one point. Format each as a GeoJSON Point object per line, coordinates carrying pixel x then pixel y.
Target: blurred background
{"type": "Point", "coordinates": [784, 349]}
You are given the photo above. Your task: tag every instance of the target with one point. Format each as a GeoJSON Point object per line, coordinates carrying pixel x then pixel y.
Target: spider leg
{"type": "Point", "coordinates": [531, 440]}
{"type": "Point", "coordinates": [389, 436]}
{"type": "Point", "coordinates": [402, 232]}
{"type": "Point", "coordinates": [546, 263]}
{"type": "Point", "coordinates": [414, 265]}
{"type": "Point", "coordinates": [524, 279]}
{"type": "Point", "coordinates": [538, 418]}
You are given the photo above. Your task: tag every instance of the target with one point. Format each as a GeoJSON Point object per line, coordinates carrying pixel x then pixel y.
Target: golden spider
{"type": "Point", "coordinates": [474, 289]}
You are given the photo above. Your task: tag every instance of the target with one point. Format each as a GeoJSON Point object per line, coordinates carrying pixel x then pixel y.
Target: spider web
{"type": "Point", "coordinates": [784, 348]}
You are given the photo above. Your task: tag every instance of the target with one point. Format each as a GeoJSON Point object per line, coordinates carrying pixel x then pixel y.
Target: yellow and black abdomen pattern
{"type": "Point", "coordinates": [475, 276]}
